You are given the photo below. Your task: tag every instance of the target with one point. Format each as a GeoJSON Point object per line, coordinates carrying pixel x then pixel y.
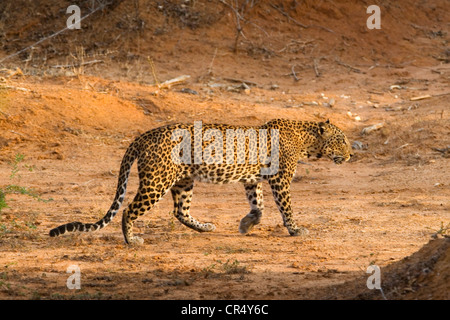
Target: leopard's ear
{"type": "Point", "coordinates": [324, 129]}
{"type": "Point", "coordinates": [328, 121]}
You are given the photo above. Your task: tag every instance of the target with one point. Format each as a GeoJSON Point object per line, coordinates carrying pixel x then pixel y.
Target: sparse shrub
{"type": "Point", "coordinates": [17, 189]}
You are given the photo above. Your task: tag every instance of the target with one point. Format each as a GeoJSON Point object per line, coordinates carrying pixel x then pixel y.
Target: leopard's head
{"type": "Point", "coordinates": [335, 144]}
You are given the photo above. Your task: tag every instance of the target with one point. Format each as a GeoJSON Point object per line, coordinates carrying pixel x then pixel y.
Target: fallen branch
{"type": "Point", "coordinates": [251, 83]}
{"type": "Point", "coordinates": [14, 88]}
{"type": "Point", "coordinates": [427, 96]}
{"type": "Point", "coordinates": [420, 97]}
{"type": "Point", "coordinates": [62, 66]}
{"type": "Point", "coordinates": [174, 81]}
{"type": "Point", "coordinates": [369, 129]}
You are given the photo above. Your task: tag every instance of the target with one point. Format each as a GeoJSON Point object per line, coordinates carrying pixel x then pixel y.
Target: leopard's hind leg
{"type": "Point", "coordinates": [155, 179]}
{"type": "Point", "coordinates": [182, 196]}
{"type": "Point", "coordinates": [143, 202]}
{"type": "Point", "coordinates": [254, 195]}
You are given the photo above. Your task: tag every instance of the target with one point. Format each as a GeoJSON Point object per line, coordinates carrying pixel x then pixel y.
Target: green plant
{"type": "Point", "coordinates": [443, 230]}
{"type": "Point", "coordinates": [209, 269]}
{"type": "Point", "coordinates": [3, 284]}
{"type": "Point", "coordinates": [17, 189]}
{"type": "Point", "coordinates": [3, 203]}
{"type": "Point", "coordinates": [233, 267]}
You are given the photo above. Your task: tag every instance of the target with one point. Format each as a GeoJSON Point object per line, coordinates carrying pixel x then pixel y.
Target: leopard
{"type": "Point", "coordinates": [174, 156]}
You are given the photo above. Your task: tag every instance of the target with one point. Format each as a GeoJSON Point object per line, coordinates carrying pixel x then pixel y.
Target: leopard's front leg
{"type": "Point", "coordinates": [281, 189]}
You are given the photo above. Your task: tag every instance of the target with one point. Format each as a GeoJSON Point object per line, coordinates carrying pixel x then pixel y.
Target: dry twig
{"type": "Point", "coordinates": [293, 73]}
{"type": "Point", "coordinates": [239, 18]}
{"type": "Point", "coordinates": [152, 66]}
{"type": "Point", "coordinates": [299, 23]}
{"type": "Point", "coordinates": [348, 66]}
{"type": "Point", "coordinates": [288, 16]}
{"type": "Point", "coordinates": [212, 62]}
{"type": "Point", "coordinates": [316, 68]}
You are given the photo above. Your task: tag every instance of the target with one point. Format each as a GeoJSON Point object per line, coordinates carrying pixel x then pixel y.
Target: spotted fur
{"type": "Point", "coordinates": [159, 173]}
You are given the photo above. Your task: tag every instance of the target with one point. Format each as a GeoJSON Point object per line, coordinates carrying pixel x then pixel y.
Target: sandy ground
{"type": "Point", "coordinates": [382, 208]}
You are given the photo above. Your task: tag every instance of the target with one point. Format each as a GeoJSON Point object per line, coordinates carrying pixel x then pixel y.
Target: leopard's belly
{"type": "Point", "coordinates": [226, 173]}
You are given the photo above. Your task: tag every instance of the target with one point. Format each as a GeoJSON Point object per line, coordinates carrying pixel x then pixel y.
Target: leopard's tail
{"type": "Point", "coordinates": [128, 159]}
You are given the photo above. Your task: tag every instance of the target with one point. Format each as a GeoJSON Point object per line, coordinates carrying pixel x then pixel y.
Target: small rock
{"type": "Point", "coordinates": [274, 87]}
{"type": "Point", "coordinates": [331, 102]}
{"type": "Point", "coordinates": [189, 91]}
{"type": "Point", "coordinates": [358, 145]}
